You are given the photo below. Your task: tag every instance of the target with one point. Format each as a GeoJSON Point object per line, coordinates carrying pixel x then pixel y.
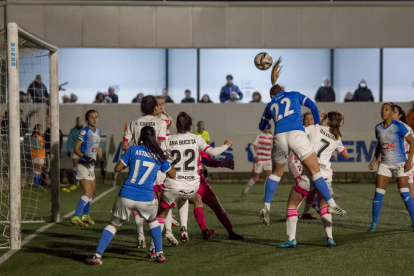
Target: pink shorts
{"type": "Point", "coordinates": [158, 188]}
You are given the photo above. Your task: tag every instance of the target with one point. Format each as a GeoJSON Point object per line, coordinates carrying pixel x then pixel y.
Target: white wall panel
{"type": "Point", "coordinates": [282, 27]}
{"type": "Point", "coordinates": [173, 27]}
{"type": "Point", "coordinates": [245, 27]}
{"type": "Point", "coordinates": [28, 17]}
{"type": "Point", "coordinates": [209, 27]}
{"type": "Point", "coordinates": [136, 27]}
{"type": "Point", "coordinates": [317, 27]}
{"type": "Point", "coordinates": [100, 26]}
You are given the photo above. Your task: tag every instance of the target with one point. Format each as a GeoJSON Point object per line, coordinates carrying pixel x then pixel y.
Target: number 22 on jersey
{"type": "Point", "coordinates": [275, 109]}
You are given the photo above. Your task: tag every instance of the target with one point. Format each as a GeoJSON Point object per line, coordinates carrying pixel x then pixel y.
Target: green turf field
{"type": "Point", "coordinates": [64, 249]}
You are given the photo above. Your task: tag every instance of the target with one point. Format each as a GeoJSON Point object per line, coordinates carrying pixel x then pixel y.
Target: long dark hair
{"type": "Point", "coordinates": [148, 139]}
{"type": "Point", "coordinates": [336, 120]}
{"type": "Point", "coordinates": [148, 104]}
{"type": "Point", "coordinates": [35, 130]}
{"type": "Point", "coordinates": [400, 112]}
{"type": "Point", "coordinates": [88, 113]}
{"type": "Point", "coordinates": [184, 122]}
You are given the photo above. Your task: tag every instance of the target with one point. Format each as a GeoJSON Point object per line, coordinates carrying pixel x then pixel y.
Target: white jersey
{"type": "Point", "coordinates": [263, 146]}
{"type": "Point", "coordinates": [167, 121]}
{"type": "Point", "coordinates": [134, 128]}
{"type": "Point", "coordinates": [324, 144]}
{"type": "Point", "coordinates": [184, 148]}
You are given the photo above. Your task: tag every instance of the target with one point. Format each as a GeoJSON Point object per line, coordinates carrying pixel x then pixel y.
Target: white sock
{"type": "Point", "coordinates": [331, 202]}
{"type": "Point", "coordinates": [183, 211]}
{"type": "Point", "coordinates": [291, 227]}
{"type": "Point", "coordinates": [249, 185]}
{"type": "Point", "coordinates": [327, 224]}
{"type": "Point", "coordinates": [168, 222]}
{"type": "Point", "coordinates": [140, 224]}
{"type": "Point", "coordinates": [267, 205]}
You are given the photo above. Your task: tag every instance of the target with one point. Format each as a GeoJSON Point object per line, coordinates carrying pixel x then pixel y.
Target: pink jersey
{"type": "Point", "coordinates": [263, 146]}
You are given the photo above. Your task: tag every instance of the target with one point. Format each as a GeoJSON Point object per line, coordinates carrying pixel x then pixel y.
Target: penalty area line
{"type": "Point", "coordinates": [7, 255]}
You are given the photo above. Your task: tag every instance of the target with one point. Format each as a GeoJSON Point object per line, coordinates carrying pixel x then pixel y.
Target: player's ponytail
{"type": "Point", "coordinates": [148, 139]}
{"type": "Point", "coordinates": [401, 113]}
{"type": "Point", "coordinates": [276, 70]}
{"type": "Point", "coordinates": [170, 119]}
{"type": "Point", "coordinates": [336, 120]}
{"type": "Point", "coordinates": [184, 122]}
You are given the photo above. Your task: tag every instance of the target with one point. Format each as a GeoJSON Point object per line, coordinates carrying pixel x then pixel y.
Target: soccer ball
{"type": "Point", "coordinates": [263, 61]}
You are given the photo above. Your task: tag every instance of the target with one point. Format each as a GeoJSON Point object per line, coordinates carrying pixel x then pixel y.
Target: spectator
{"type": "Point", "coordinates": [257, 98]}
{"type": "Point", "coordinates": [325, 93]}
{"type": "Point", "coordinates": [22, 97]}
{"type": "Point", "coordinates": [107, 99]}
{"type": "Point", "coordinates": [205, 99]}
{"type": "Point", "coordinates": [73, 98]}
{"type": "Point", "coordinates": [112, 95]}
{"type": "Point", "coordinates": [349, 97]}
{"type": "Point", "coordinates": [138, 98]}
{"type": "Point", "coordinates": [363, 94]}
{"type": "Point", "coordinates": [228, 89]}
{"type": "Point", "coordinates": [167, 98]}
{"type": "Point", "coordinates": [99, 98]}
{"type": "Point", "coordinates": [65, 99]}
{"type": "Point", "coordinates": [410, 117]}
{"type": "Point", "coordinates": [38, 91]}
{"type": "Point", "coordinates": [188, 98]}
{"type": "Point", "coordinates": [24, 126]}
{"type": "Point", "coordinates": [233, 98]}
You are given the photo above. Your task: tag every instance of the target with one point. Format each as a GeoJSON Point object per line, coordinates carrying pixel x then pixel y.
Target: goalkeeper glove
{"type": "Point", "coordinates": [89, 160]}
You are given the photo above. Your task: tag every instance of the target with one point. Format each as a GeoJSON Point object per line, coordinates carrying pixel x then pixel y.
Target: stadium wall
{"type": "Point", "coordinates": [177, 24]}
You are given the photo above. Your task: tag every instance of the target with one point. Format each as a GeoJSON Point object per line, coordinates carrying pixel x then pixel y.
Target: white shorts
{"type": "Point", "coordinates": [160, 178]}
{"type": "Point", "coordinates": [83, 172]}
{"type": "Point", "coordinates": [295, 140]}
{"type": "Point", "coordinates": [396, 170]}
{"type": "Point", "coordinates": [411, 176]}
{"type": "Point", "coordinates": [73, 155]}
{"type": "Point", "coordinates": [170, 196]}
{"type": "Point", "coordinates": [262, 166]}
{"type": "Point", "coordinates": [123, 206]}
{"type": "Point", "coordinates": [38, 161]}
{"type": "Point", "coordinates": [305, 184]}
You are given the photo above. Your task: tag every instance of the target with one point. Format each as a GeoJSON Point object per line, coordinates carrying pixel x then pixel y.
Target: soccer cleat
{"type": "Point", "coordinates": [151, 253]}
{"type": "Point", "coordinates": [317, 209]}
{"type": "Point", "coordinates": [288, 244]}
{"type": "Point", "coordinates": [335, 196]}
{"type": "Point", "coordinates": [307, 216]}
{"type": "Point", "coordinates": [174, 222]}
{"type": "Point", "coordinates": [96, 259]}
{"type": "Point", "coordinates": [65, 190]}
{"type": "Point", "coordinates": [374, 227]}
{"type": "Point", "coordinates": [170, 238]}
{"type": "Point", "coordinates": [235, 237]}
{"type": "Point", "coordinates": [243, 195]}
{"type": "Point", "coordinates": [160, 258]}
{"type": "Point", "coordinates": [336, 210]}
{"type": "Point", "coordinates": [73, 187]}
{"type": "Point", "coordinates": [77, 221]}
{"type": "Point", "coordinates": [264, 216]}
{"type": "Point", "coordinates": [184, 235]}
{"type": "Point", "coordinates": [87, 219]}
{"type": "Point", "coordinates": [207, 233]}
{"type": "Point", "coordinates": [141, 241]}
{"type": "Point", "coordinates": [331, 243]}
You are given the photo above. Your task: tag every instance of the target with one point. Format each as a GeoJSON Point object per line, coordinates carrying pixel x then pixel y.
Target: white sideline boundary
{"type": "Point", "coordinates": [7, 255]}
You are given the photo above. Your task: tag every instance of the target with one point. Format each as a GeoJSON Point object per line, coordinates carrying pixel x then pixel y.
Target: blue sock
{"type": "Point", "coordinates": [106, 237]}
{"type": "Point", "coordinates": [155, 230]}
{"type": "Point", "coordinates": [322, 187]}
{"type": "Point", "coordinates": [408, 200]}
{"type": "Point", "coordinates": [81, 205]}
{"type": "Point", "coordinates": [377, 204]}
{"type": "Point", "coordinates": [36, 179]}
{"type": "Point", "coordinates": [270, 187]}
{"type": "Point", "coordinates": [87, 207]}
{"type": "Point", "coordinates": [316, 202]}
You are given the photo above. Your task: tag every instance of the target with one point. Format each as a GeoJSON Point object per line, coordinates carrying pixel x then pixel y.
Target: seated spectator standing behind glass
{"type": "Point", "coordinates": [99, 98]}
{"type": "Point", "coordinates": [205, 99]}
{"type": "Point", "coordinates": [73, 98]}
{"type": "Point", "coordinates": [138, 98]}
{"type": "Point", "coordinates": [257, 98]}
{"type": "Point", "coordinates": [167, 98]}
{"type": "Point", "coordinates": [38, 91]}
{"type": "Point", "coordinates": [188, 98]}
{"type": "Point", "coordinates": [363, 94]}
{"type": "Point", "coordinates": [325, 92]}
{"type": "Point", "coordinates": [348, 97]}
{"type": "Point", "coordinates": [233, 98]}
{"type": "Point", "coordinates": [65, 99]}
{"type": "Point", "coordinates": [112, 95]}
{"type": "Point", "coordinates": [228, 89]}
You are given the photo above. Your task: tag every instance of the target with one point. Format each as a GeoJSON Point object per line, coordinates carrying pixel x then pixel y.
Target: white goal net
{"type": "Point", "coordinates": [29, 138]}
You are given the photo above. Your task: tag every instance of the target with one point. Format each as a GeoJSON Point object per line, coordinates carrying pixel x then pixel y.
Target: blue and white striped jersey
{"type": "Point", "coordinates": [90, 142]}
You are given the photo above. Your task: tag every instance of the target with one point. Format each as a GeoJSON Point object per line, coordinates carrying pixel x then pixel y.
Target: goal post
{"type": "Point", "coordinates": [17, 39]}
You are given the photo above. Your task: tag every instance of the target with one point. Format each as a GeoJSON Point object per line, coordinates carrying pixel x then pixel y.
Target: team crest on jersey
{"type": "Point", "coordinates": [83, 132]}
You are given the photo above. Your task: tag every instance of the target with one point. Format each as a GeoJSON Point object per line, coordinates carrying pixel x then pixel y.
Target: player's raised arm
{"type": "Point", "coordinates": [217, 150]}
{"type": "Point", "coordinates": [305, 101]}
{"type": "Point", "coordinates": [267, 115]}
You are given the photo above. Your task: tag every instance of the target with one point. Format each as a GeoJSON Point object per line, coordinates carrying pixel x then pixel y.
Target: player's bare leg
{"type": "Point", "coordinates": [270, 188]}
{"type": "Point", "coordinates": [310, 199]}
{"type": "Point", "coordinates": [200, 216]}
{"type": "Point", "coordinates": [252, 181]}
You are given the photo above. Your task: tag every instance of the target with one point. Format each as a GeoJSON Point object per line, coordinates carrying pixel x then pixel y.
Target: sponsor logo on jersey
{"type": "Point", "coordinates": [83, 132]}
{"type": "Point", "coordinates": [185, 177]}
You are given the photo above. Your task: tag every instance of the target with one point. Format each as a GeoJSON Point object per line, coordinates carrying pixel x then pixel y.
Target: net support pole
{"type": "Point", "coordinates": [54, 137]}
{"type": "Point", "coordinates": [14, 134]}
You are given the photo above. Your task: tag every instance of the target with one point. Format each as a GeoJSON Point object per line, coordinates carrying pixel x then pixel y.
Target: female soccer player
{"type": "Point", "coordinates": [390, 135]}
{"type": "Point", "coordinates": [137, 193]}
{"type": "Point", "coordinates": [38, 154]}
{"type": "Point", "coordinates": [184, 149]}
{"type": "Point", "coordinates": [399, 115]}
{"type": "Point", "coordinates": [261, 149]}
{"type": "Point", "coordinates": [285, 110]}
{"type": "Point", "coordinates": [325, 140]}
{"type": "Point", "coordinates": [87, 147]}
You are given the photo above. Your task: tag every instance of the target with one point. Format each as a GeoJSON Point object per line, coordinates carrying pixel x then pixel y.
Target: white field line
{"type": "Point", "coordinates": [10, 253]}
